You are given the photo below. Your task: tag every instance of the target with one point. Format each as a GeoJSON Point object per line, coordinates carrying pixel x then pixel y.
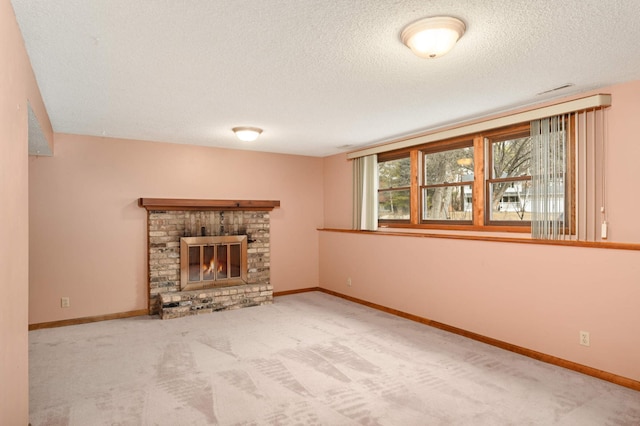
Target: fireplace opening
{"type": "Point", "coordinates": [213, 261]}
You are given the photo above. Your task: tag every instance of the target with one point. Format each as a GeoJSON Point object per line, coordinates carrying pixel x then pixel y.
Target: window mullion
{"type": "Point", "coordinates": [478, 181]}
{"type": "Point", "coordinates": [415, 187]}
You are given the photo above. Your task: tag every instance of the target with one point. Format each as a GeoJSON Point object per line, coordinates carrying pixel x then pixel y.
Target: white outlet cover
{"type": "Point", "coordinates": [584, 338]}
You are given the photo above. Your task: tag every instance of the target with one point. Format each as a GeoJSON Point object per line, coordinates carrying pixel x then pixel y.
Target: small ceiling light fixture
{"type": "Point", "coordinates": [433, 37]}
{"type": "Point", "coordinates": [247, 134]}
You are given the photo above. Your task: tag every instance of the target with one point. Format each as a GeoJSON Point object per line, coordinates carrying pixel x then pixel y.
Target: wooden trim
{"type": "Point", "coordinates": [502, 135]}
{"type": "Point", "coordinates": [86, 320]}
{"type": "Point", "coordinates": [148, 294]}
{"type": "Point", "coordinates": [139, 312]}
{"type": "Point", "coordinates": [570, 174]}
{"type": "Point", "coordinates": [415, 197]}
{"type": "Point", "coordinates": [425, 227]}
{"type": "Point", "coordinates": [390, 156]}
{"type": "Point", "coordinates": [589, 244]}
{"type": "Point", "coordinates": [196, 204]}
{"type": "Point", "coordinates": [521, 130]}
{"type": "Point", "coordinates": [478, 204]}
{"type": "Point", "coordinates": [549, 359]}
{"type": "Point", "coordinates": [299, 290]}
{"type": "Point", "coordinates": [511, 179]}
{"type": "Point", "coordinates": [445, 185]}
{"type": "Point", "coordinates": [465, 141]}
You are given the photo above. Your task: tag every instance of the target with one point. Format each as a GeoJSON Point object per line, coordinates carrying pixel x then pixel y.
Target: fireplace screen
{"type": "Point", "coordinates": [213, 261]}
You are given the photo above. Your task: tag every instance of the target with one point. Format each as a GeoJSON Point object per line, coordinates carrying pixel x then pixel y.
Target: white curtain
{"type": "Point", "coordinates": [365, 193]}
{"type": "Point", "coordinates": [549, 177]}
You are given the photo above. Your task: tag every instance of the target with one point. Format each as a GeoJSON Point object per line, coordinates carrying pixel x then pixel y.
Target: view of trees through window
{"type": "Point", "coordinates": [394, 184]}
{"type": "Point", "coordinates": [510, 179]}
{"type": "Point", "coordinates": [448, 185]}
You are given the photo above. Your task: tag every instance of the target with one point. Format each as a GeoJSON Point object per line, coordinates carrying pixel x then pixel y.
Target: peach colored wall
{"type": "Point", "coordinates": [621, 157]}
{"type": "Point", "coordinates": [487, 287]}
{"type": "Point", "coordinates": [88, 236]}
{"type": "Point", "coordinates": [17, 85]}
{"type": "Point", "coordinates": [337, 203]}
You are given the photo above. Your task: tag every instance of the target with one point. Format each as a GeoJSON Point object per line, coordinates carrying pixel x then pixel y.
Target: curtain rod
{"type": "Point", "coordinates": [594, 101]}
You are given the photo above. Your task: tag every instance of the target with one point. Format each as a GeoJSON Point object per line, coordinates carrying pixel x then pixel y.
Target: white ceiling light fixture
{"type": "Point", "coordinates": [433, 37]}
{"type": "Point", "coordinates": [247, 134]}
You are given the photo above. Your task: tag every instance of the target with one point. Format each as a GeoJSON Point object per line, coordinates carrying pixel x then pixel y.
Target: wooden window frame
{"type": "Point", "coordinates": [391, 157]}
{"type": "Point", "coordinates": [501, 135]}
{"type": "Point", "coordinates": [480, 199]}
{"type": "Point", "coordinates": [458, 143]}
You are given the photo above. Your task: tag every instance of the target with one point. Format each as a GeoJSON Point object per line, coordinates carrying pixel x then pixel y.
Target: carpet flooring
{"type": "Point", "coordinates": [308, 359]}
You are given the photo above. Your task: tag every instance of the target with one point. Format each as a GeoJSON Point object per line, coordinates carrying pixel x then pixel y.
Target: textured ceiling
{"type": "Point", "coordinates": [319, 76]}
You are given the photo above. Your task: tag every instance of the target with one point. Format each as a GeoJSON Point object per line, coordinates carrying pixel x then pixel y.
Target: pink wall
{"type": "Point", "coordinates": [337, 192]}
{"type": "Point", "coordinates": [488, 287]}
{"type": "Point", "coordinates": [621, 158]}
{"type": "Point", "coordinates": [88, 236]}
{"type": "Point", "coordinates": [17, 85]}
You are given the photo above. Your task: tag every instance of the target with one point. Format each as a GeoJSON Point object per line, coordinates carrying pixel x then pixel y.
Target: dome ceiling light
{"type": "Point", "coordinates": [247, 134]}
{"type": "Point", "coordinates": [433, 37]}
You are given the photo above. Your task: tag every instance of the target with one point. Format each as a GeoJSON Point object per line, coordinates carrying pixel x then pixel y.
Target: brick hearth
{"type": "Point", "coordinates": [180, 304]}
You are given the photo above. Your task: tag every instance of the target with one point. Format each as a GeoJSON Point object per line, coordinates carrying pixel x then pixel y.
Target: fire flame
{"type": "Point", "coordinates": [209, 270]}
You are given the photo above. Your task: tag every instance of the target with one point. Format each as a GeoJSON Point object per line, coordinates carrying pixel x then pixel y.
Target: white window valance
{"type": "Point", "coordinates": [582, 104]}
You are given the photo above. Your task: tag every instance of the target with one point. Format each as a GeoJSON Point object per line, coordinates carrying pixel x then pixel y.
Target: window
{"type": "Point", "coordinates": [394, 189]}
{"type": "Point", "coordinates": [479, 182]}
{"type": "Point", "coordinates": [447, 184]}
{"type": "Point", "coordinates": [556, 193]}
{"type": "Point", "coordinates": [509, 181]}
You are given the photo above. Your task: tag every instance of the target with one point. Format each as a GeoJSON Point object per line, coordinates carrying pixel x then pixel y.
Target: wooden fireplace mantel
{"type": "Point", "coordinates": [194, 204]}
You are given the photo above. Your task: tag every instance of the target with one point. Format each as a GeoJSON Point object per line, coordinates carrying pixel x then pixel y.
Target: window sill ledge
{"type": "Point", "coordinates": [521, 239]}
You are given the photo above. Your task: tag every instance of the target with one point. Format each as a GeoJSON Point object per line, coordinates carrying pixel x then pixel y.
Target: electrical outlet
{"type": "Point", "coordinates": [65, 302]}
{"type": "Point", "coordinates": [584, 338]}
{"type": "Point", "coordinates": [349, 281]}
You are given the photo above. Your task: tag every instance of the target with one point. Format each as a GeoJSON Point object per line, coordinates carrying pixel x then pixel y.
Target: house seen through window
{"type": "Point", "coordinates": [509, 180]}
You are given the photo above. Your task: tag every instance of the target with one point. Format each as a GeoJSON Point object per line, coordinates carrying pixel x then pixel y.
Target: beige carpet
{"type": "Point", "coordinates": [308, 359]}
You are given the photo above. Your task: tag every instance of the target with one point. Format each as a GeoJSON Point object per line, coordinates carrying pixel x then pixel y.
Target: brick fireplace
{"type": "Point", "coordinates": [220, 227]}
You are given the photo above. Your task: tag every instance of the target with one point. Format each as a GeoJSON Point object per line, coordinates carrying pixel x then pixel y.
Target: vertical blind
{"type": "Point", "coordinates": [590, 135]}
{"type": "Point", "coordinates": [568, 176]}
{"type": "Point", "coordinates": [550, 210]}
